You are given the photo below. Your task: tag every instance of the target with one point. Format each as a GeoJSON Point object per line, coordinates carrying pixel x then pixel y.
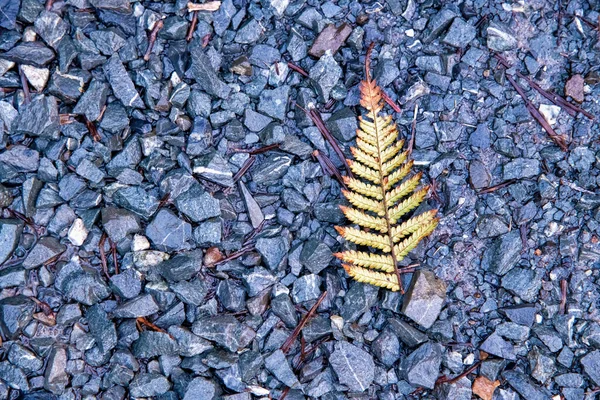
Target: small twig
{"type": "Point", "coordinates": [139, 321]}
{"type": "Point", "coordinates": [563, 296]}
{"type": "Point", "coordinates": [192, 28]}
{"type": "Point", "coordinates": [299, 70]}
{"type": "Point", "coordinates": [103, 254]}
{"type": "Point", "coordinates": [481, 21]}
{"type": "Point", "coordinates": [157, 27]}
{"type": "Point", "coordinates": [26, 92]}
{"type": "Point", "coordinates": [244, 250]}
{"type": "Point", "coordinates": [328, 167]}
{"type": "Point", "coordinates": [329, 104]}
{"type": "Point", "coordinates": [390, 102]}
{"type": "Point", "coordinates": [569, 108]}
{"type": "Point", "coordinates": [49, 4]}
{"type": "Point", "coordinates": [445, 379]}
{"type": "Point", "coordinates": [209, 6]}
{"type": "Point", "coordinates": [535, 113]}
{"type": "Point", "coordinates": [315, 116]}
{"type": "Point", "coordinates": [497, 187]}
{"type": "Point", "coordinates": [413, 131]}
{"type": "Point", "coordinates": [264, 149]}
{"type": "Point", "coordinates": [245, 167]}
{"type": "Point", "coordinates": [92, 128]}
{"type": "Point", "coordinates": [113, 250]}
{"type": "Point", "coordinates": [287, 345]}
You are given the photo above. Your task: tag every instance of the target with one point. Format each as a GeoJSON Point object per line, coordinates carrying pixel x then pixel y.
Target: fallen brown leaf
{"type": "Point", "coordinates": [484, 388]}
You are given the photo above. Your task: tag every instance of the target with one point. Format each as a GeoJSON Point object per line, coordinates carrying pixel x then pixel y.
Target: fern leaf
{"type": "Point", "coordinates": [364, 202]}
{"type": "Point", "coordinates": [379, 262]}
{"type": "Point", "coordinates": [365, 220]}
{"type": "Point", "coordinates": [363, 188]}
{"type": "Point", "coordinates": [363, 238]}
{"type": "Point", "coordinates": [387, 281]}
{"type": "Point", "coordinates": [380, 197]}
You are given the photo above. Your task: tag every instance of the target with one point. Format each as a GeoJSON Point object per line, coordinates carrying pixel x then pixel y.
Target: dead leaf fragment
{"type": "Point", "coordinates": [574, 88]}
{"type": "Point", "coordinates": [484, 388]}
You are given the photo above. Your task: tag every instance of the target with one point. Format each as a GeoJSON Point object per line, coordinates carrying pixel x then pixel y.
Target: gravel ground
{"type": "Point", "coordinates": [167, 209]}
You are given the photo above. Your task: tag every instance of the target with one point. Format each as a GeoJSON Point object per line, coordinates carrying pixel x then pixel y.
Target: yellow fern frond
{"type": "Point", "coordinates": [402, 190]}
{"type": "Point", "coordinates": [379, 262]}
{"type": "Point", "coordinates": [404, 247]}
{"type": "Point", "coordinates": [364, 203]}
{"type": "Point", "coordinates": [380, 197]}
{"type": "Point", "coordinates": [407, 205]}
{"type": "Point", "coordinates": [387, 281]}
{"type": "Point", "coordinates": [412, 225]}
{"type": "Point", "coordinates": [363, 238]}
{"type": "Point", "coordinates": [363, 188]}
{"type": "Point", "coordinates": [394, 163]}
{"type": "Point", "coordinates": [365, 220]}
{"type": "Point", "coordinates": [398, 174]}
{"type": "Point", "coordinates": [388, 153]}
{"type": "Point", "coordinates": [364, 158]}
{"type": "Point", "coordinates": [364, 172]}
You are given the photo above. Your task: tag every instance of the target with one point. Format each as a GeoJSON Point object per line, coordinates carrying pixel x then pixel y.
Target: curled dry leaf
{"type": "Point", "coordinates": [484, 388]}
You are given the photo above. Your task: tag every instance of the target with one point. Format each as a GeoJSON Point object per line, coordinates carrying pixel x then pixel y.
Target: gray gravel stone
{"type": "Point", "coordinates": [460, 33]}
{"type": "Point", "coordinates": [198, 204]}
{"type": "Point", "coordinates": [274, 102]}
{"type": "Point", "coordinates": [169, 233]}
{"type": "Point", "coordinates": [10, 234]}
{"type": "Point", "coordinates": [148, 385]}
{"type": "Point", "coordinates": [306, 288]}
{"type": "Point", "coordinates": [200, 388]}
{"type": "Point", "coordinates": [324, 75]}
{"type": "Point", "coordinates": [121, 83]}
{"type": "Point", "coordinates": [422, 366]}
{"type": "Point", "coordinates": [424, 298]}
{"type": "Point", "coordinates": [499, 347]}
{"type": "Point", "coordinates": [204, 74]}
{"type": "Point", "coordinates": [45, 249]}
{"type": "Point", "coordinates": [525, 387]}
{"type": "Point", "coordinates": [278, 365]}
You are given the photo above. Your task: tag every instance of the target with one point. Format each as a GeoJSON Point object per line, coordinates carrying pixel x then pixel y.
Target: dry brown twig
{"type": "Point", "coordinates": [157, 27]}
{"type": "Point", "coordinates": [287, 345]}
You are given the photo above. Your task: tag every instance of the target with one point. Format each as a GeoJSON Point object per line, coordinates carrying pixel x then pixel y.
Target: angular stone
{"type": "Point", "coordinates": [22, 158]}
{"type": "Point", "coordinates": [343, 124]}
{"type": "Point", "coordinates": [200, 388]}
{"type": "Point", "coordinates": [521, 168]}
{"type": "Point", "coordinates": [45, 249]}
{"type": "Point", "coordinates": [39, 117]}
{"type": "Point", "coordinates": [525, 387]}
{"type": "Point", "coordinates": [273, 250]}
{"type": "Point", "coordinates": [331, 38]}
{"type": "Point", "coordinates": [149, 385]}
{"type": "Point", "coordinates": [181, 267]}
{"type": "Point", "coordinates": [121, 83]}
{"type": "Point", "coordinates": [460, 33]}
{"type": "Point", "coordinates": [203, 72]}
{"type": "Point", "coordinates": [424, 298]}
{"type": "Point", "coordinates": [51, 27]}
{"type": "Point", "coordinates": [56, 378]}
{"type": "Point", "coordinates": [274, 102]}
{"type": "Point", "coordinates": [127, 284]}
{"type": "Point", "coordinates": [250, 32]}
{"type": "Point", "coordinates": [152, 344]}
{"type": "Point", "coordinates": [315, 256]}
{"type": "Point", "coordinates": [31, 53]}
{"type": "Point", "coordinates": [102, 328]}
{"type": "Point", "coordinates": [307, 287]}
{"type": "Point", "coordinates": [499, 347]}
{"type": "Point", "coordinates": [15, 313]}
{"type": "Point", "coordinates": [504, 253]}
{"type": "Point", "coordinates": [278, 365]}
{"type": "Point", "coordinates": [141, 306]}
{"type": "Point", "coordinates": [85, 288]}
{"type": "Point", "coordinates": [214, 168]}
{"type": "Point", "coordinates": [24, 358]}
{"type": "Point", "coordinates": [14, 377]}
{"type": "Point", "coordinates": [479, 175]}
{"type": "Point", "coordinates": [11, 277]}
{"type": "Point", "coordinates": [10, 234]}
{"type": "Point", "coordinates": [574, 88]}
{"type": "Point", "coordinates": [524, 283]}
{"type": "Point", "coordinates": [8, 17]}
{"type": "Point", "coordinates": [224, 330]}
{"type": "Point", "coordinates": [386, 347]}
{"type": "Point", "coordinates": [591, 365]}
{"type": "Point", "coordinates": [522, 314]}
{"type": "Point", "coordinates": [198, 204]}
{"type": "Point", "coordinates": [324, 75]}
{"type": "Point", "coordinates": [490, 226]}
{"type": "Point", "coordinates": [409, 335]}
{"type": "Point", "coordinates": [271, 169]}
{"type": "Point", "coordinates": [119, 223]}
{"type": "Point", "coordinates": [169, 233]}
{"type": "Point", "coordinates": [92, 101]}
{"type": "Point", "coordinates": [422, 366]}
{"type": "Point", "coordinates": [136, 199]}
{"type": "Point", "coordinates": [500, 37]}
